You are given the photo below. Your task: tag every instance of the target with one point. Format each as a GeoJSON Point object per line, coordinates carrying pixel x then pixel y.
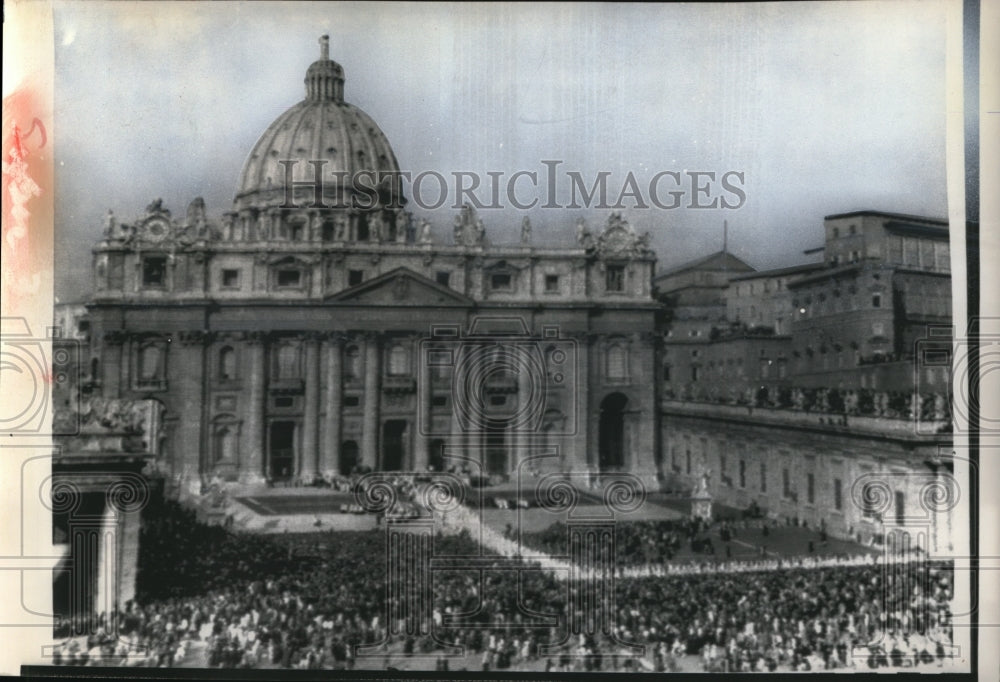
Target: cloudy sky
{"type": "Point", "coordinates": [826, 107]}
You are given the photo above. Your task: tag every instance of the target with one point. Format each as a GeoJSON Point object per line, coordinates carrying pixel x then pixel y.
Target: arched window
{"type": "Point", "coordinates": [399, 360]}
{"type": "Point", "coordinates": [150, 364]}
{"type": "Point", "coordinates": [227, 363]}
{"type": "Point", "coordinates": [288, 362]}
{"type": "Point", "coordinates": [617, 362]}
{"type": "Point", "coordinates": [224, 444]}
{"type": "Point", "coordinates": [352, 368]}
{"type": "Point", "coordinates": [94, 367]}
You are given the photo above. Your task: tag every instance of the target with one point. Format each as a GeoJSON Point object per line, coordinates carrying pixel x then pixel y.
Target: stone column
{"type": "Point", "coordinates": [107, 564]}
{"type": "Point", "coordinates": [369, 436]}
{"type": "Point", "coordinates": [310, 415]}
{"type": "Point", "coordinates": [111, 363]}
{"type": "Point", "coordinates": [521, 435]}
{"type": "Point", "coordinates": [186, 379]}
{"type": "Point", "coordinates": [128, 564]}
{"type": "Point", "coordinates": [422, 425]}
{"type": "Point", "coordinates": [456, 442]}
{"type": "Point", "coordinates": [592, 411]}
{"type": "Point", "coordinates": [330, 457]}
{"type": "Point", "coordinates": [252, 465]}
{"type": "Point", "coordinates": [642, 359]}
{"type": "Point", "coordinates": [577, 459]}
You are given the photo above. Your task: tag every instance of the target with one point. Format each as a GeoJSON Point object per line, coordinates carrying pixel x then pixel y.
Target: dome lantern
{"type": "Point", "coordinates": [325, 78]}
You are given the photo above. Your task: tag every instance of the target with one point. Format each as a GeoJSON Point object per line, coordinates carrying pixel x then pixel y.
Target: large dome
{"type": "Point", "coordinates": [322, 127]}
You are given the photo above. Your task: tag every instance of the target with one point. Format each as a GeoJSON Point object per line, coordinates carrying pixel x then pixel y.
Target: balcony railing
{"type": "Point", "coordinates": [862, 409]}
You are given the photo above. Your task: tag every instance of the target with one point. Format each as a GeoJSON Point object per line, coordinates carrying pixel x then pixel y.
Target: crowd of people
{"type": "Point", "coordinates": [308, 601]}
{"type": "Point", "coordinates": [636, 542]}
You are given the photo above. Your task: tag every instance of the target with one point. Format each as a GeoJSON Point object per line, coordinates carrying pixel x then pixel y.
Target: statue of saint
{"type": "Point", "coordinates": [526, 230]}
{"type": "Point", "coordinates": [110, 224]}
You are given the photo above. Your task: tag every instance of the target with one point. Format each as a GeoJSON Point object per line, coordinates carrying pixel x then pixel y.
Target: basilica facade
{"type": "Point", "coordinates": [296, 337]}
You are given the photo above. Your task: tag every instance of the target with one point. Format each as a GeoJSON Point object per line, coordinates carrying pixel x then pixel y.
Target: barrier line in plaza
{"type": "Point", "coordinates": [462, 518]}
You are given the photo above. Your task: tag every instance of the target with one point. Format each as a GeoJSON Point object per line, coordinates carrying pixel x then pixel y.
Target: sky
{"type": "Point", "coordinates": [824, 107]}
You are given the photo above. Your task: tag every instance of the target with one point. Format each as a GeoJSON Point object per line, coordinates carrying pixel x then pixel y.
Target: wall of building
{"type": "Point", "coordinates": [827, 466]}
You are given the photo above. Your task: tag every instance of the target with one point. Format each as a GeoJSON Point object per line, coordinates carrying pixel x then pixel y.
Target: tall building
{"type": "Point", "coordinates": [303, 335]}
{"type": "Point", "coordinates": [816, 379]}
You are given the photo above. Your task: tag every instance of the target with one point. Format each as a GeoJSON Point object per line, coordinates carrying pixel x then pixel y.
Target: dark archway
{"type": "Point", "coordinates": [436, 455]}
{"type": "Point", "coordinates": [281, 463]}
{"type": "Point", "coordinates": [393, 449]}
{"type": "Point", "coordinates": [348, 457]}
{"type": "Point", "coordinates": [496, 451]}
{"type": "Point", "coordinates": [611, 433]}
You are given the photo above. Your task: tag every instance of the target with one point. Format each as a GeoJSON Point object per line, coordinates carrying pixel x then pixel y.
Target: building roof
{"type": "Point", "coordinates": [718, 261]}
{"type": "Point", "coordinates": [780, 272]}
{"type": "Point", "coordinates": [831, 272]}
{"type": "Point", "coordinates": [886, 214]}
{"type": "Point", "coordinates": [915, 230]}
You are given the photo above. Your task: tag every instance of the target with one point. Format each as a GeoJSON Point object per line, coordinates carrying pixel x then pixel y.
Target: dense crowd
{"type": "Point", "coordinates": [306, 601]}
{"type": "Point", "coordinates": [651, 543]}
{"type": "Point", "coordinates": [636, 542]}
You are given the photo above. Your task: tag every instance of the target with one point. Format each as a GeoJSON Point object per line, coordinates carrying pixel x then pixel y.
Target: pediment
{"type": "Point", "coordinates": [400, 287]}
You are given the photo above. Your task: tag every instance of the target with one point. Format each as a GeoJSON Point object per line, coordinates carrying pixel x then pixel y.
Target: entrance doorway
{"type": "Point", "coordinates": [611, 433]}
{"type": "Point", "coordinates": [348, 457]}
{"type": "Point", "coordinates": [436, 455]}
{"type": "Point", "coordinates": [393, 444]}
{"type": "Point", "coordinates": [496, 451]}
{"type": "Point", "coordinates": [282, 451]}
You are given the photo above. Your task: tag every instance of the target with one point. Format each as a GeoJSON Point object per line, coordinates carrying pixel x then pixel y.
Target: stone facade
{"type": "Point", "coordinates": [856, 477]}
{"type": "Point", "coordinates": [287, 340]}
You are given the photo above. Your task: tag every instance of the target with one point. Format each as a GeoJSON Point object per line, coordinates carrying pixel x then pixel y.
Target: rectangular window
{"type": "Point", "coordinates": [666, 373]}
{"type": "Point", "coordinates": [786, 483]}
{"type": "Point", "coordinates": [687, 455]}
{"type": "Point", "coordinates": [284, 402]}
{"type": "Point", "coordinates": [763, 477]}
{"type": "Point", "coordinates": [230, 279]}
{"type": "Point", "coordinates": [615, 278]}
{"type": "Point", "coordinates": [694, 373]}
{"type": "Point", "coordinates": [551, 284]}
{"type": "Point", "coordinates": [351, 401]}
{"type": "Point", "coordinates": [876, 300]}
{"type": "Point", "coordinates": [154, 271]}
{"type": "Point", "coordinates": [838, 494]}
{"type": "Point", "coordinates": [439, 401]}
{"type": "Point", "coordinates": [500, 281]}
{"type": "Point", "coordinates": [355, 277]}
{"type": "Point", "coordinates": [289, 278]}
{"type": "Point", "coordinates": [743, 473]}
{"type": "Point", "coordinates": [443, 278]}
{"type": "Point", "coordinates": [810, 489]}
